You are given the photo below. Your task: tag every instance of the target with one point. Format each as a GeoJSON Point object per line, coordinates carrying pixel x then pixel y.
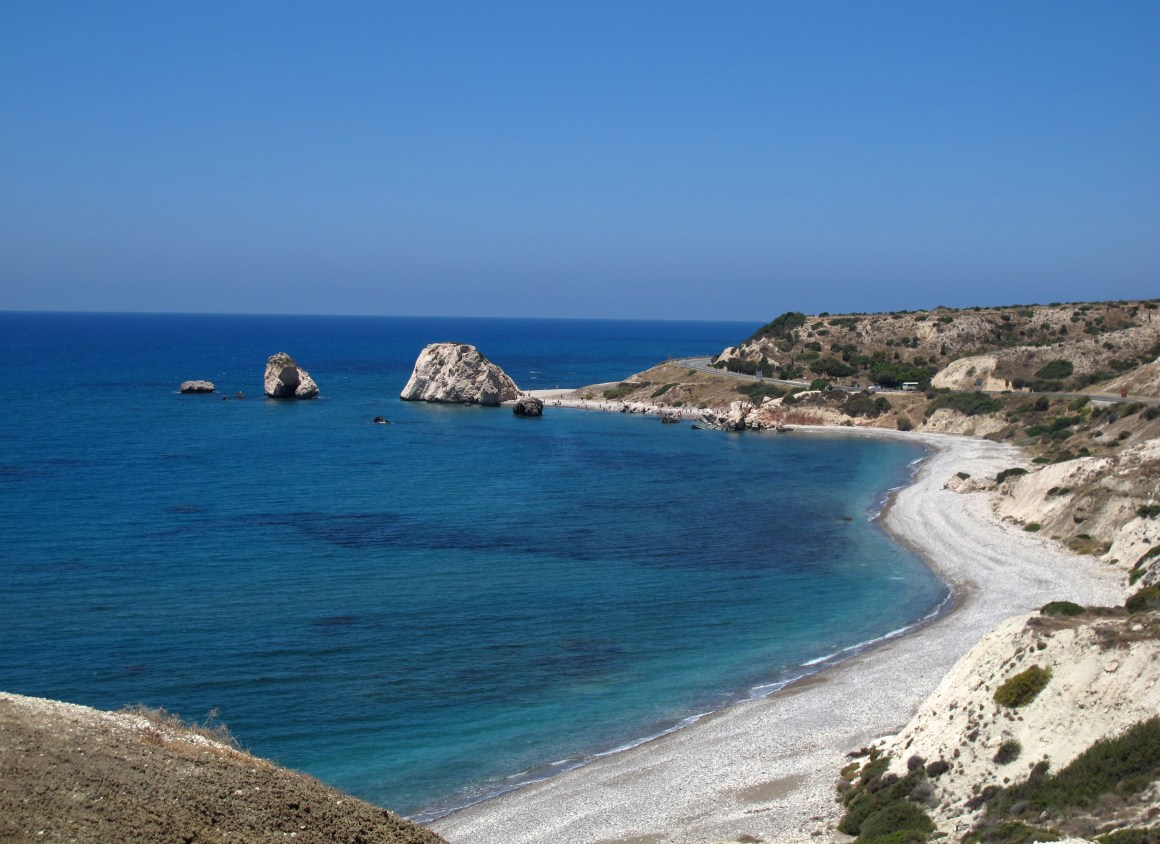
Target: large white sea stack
{"type": "Point", "coordinates": [285, 380]}
{"type": "Point", "coordinates": [457, 373]}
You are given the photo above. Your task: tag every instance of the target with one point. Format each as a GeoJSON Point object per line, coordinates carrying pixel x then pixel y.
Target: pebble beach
{"type": "Point", "coordinates": [765, 769]}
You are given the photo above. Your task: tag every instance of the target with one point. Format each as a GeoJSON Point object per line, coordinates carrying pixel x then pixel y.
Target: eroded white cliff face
{"type": "Point", "coordinates": [457, 373]}
{"type": "Point", "coordinates": [1105, 676]}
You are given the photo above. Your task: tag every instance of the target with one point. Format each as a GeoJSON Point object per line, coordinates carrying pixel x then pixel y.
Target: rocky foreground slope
{"type": "Point", "coordinates": [71, 773]}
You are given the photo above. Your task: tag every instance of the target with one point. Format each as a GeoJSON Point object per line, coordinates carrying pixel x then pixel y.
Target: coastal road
{"type": "Point", "coordinates": [703, 365]}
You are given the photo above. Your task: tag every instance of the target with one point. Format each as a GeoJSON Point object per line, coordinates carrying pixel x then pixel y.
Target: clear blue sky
{"type": "Point", "coordinates": [715, 160]}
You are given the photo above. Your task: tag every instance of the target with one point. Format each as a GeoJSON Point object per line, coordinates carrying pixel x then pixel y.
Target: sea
{"type": "Point", "coordinates": [434, 611]}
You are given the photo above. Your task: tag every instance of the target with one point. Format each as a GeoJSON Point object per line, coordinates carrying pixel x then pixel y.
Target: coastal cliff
{"type": "Point", "coordinates": [457, 373]}
{"type": "Point", "coordinates": [1072, 391]}
{"type": "Point", "coordinates": [1046, 728]}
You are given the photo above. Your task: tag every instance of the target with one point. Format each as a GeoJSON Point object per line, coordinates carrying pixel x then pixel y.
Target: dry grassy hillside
{"type": "Point", "coordinates": [1046, 347]}
{"type": "Point", "coordinates": [71, 773]}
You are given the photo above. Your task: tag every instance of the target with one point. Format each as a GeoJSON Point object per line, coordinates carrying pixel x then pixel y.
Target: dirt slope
{"type": "Point", "coordinates": [71, 773]}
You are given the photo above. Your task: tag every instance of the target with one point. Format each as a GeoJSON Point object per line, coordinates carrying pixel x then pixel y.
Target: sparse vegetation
{"type": "Point", "coordinates": [1010, 473]}
{"type": "Point", "coordinates": [1122, 766]}
{"type": "Point", "coordinates": [1064, 608]}
{"type": "Point", "coordinates": [879, 807]}
{"type": "Point", "coordinates": [969, 404]}
{"type": "Point", "coordinates": [1056, 370]}
{"type": "Point", "coordinates": [1008, 752]}
{"type": "Point", "coordinates": [1144, 600]}
{"type": "Point", "coordinates": [621, 390]}
{"type": "Point", "coordinates": [1022, 688]}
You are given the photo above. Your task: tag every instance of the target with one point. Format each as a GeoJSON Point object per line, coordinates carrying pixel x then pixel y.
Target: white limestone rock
{"type": "Point", "coordinates": [457, 373]}
{"type": "Point", "coordinates": [285, 380]}
{"type": "Point", "coordinates": [197, 387]}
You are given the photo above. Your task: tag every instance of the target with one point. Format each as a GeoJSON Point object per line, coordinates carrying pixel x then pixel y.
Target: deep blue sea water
{"type": "Point", "coordinates": [424, 612]}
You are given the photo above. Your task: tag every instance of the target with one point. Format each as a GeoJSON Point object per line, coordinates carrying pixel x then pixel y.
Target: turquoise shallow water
{"type": "Point", "coordinates": [425, 612]}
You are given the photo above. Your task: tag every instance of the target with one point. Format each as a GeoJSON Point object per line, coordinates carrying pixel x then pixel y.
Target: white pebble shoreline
{"type": "Point", "coordinates": [766, 768]}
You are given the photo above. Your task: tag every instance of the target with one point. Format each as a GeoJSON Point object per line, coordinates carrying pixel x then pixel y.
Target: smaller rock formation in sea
{"type": "Point", "coordinates": [197, 387]}
{"type": "Point", "coordinates": [528, 406]}
{"type": "Point", "coordinates": [458, 374]}
{"type": "Point", "coordinates": [284, 380]}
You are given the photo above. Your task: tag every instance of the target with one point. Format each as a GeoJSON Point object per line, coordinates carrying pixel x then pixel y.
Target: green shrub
{"type": "Point", "coordinates": [969, 404]}
{"type": "Point", "coordinates": [781, 327]}
{"type": "Point", "coordinates": [893, 819]}
{"type": "Point", "coordinates": [1123, 765]}
{"type": "Point", "coordinates": [621, 390]}
{"type": "Point", "coordinates": [1012, 832]}
{"type": "Point", "coordinates": [660, 391]}
{"type": "Point", "coordinates": [1009, 473]}
{"type": "Point", "coordinates": [1147, 555]}
{"type": "Point", "coordinates": [819, 384]}
{"type": "Point", "coordinates": [1148, 511]}
{"type": "Point", "coordinates": [905, 424]}
{"type": "Point", "coordinates": [759, 390]}
{"type": "Point", "coordinates": [832, 368]}
{"type": "Point", "coordinates": [937, 768]}
{"type": "Point", "coordinates": [1021, 689]}
{"type": "Point", "coordinates": [1056, 370]}
{"type": "Point", "coordinates": [1145, 599]}
{"type": "Point", "coordinates": [1008, 752]}
{"type": "Point", "coordinates": [1066, 608]}
{"type": "Point", "coordinates": [1033, 527]}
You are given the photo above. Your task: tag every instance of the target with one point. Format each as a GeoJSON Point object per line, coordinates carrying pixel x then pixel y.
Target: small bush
{"type": "Point", "coordinates": [1008, 752]}
{"type": "Point", "coordinates": [1148, 511]}
{"type": "Point", "coordinates": [937, 768]}
{"type": "Point", "coordinates": [1056, 370]}
{"type": "Point", "coordinates": [969, 404]}
{"type": "Point", "coordinates": [1147, 555]}
{"type": "Point", "coordinates": [1009, 473]}
{"type": "Point", "coordinates": [660, 391]}
{"type": "Point", "coordinates": [899, 818]}
{"type": "Point", "coordinates": [621, 390]}
{"type": "Point", "coordinates": [1144, 600]}
{"type": "Point", "coordinates": [1066, 608]}
{"type": "Point", "coordinates": [905, 424]}
{"type": "Point", "coordinates": [759, 391]}
{"type": "Point", "coordinates": [1033, 527]}
{"type": "Point", "coordinates": [1021, 689]}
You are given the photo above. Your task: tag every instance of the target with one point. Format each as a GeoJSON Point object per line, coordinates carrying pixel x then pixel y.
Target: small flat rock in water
{"type": "Point", "coordinates": [197, 387]}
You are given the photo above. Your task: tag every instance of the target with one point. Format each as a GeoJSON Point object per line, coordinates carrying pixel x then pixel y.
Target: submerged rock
{"type": "Point", "coordinates": [197, 387]}
{"type": "Point", "coordinates": [528, 406]}
{"type": "Point", "coordinates": [284, 380]}
{"type": "Point", "coordinates": [457, 373]}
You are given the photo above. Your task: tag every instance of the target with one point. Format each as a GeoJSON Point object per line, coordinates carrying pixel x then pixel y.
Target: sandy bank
{"type": "Point", "coordinates": [766, 768]}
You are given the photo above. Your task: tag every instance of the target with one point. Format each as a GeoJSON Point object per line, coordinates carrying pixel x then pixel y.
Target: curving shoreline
{"type": "Point", "coordinates": [766, 767]}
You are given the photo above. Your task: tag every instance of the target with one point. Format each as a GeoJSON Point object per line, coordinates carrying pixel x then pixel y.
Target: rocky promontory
{"type": "Point", "coordinates": [457, 373]}
{"type": "Point", "coordinates": [285, 380]}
